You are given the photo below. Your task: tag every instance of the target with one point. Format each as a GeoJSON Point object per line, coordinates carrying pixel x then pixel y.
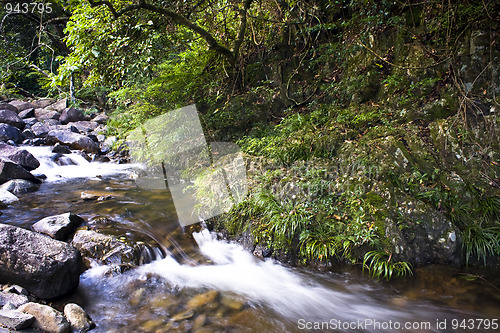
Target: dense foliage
{"type": "Point", "coordinates": [295, 82]}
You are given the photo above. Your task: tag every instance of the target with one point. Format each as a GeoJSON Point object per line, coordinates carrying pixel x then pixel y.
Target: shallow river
{"type": "Point", "coordinates": [208, 285]}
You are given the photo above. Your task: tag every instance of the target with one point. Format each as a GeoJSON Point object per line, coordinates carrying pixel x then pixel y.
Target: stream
{"type": "Point", "coordinates": [201, 284]}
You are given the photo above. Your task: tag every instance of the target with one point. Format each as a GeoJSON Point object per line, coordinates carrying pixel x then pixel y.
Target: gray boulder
{"type": "Point", "coordinates": [40, 130]}
{"type": "Point", "coordinates": [42, 114]}
{"type": "Point", "coordinates": [28, 134]}
{"type": "Point", "coordinates": [21, 105]}
{"type": "Point", "coordinates": [85, 126]}
{"type": "Point", "coordinates": [72, 140]}
{"type": "Point", "coordinates": [7, 106]}
{"type": "Point", "coordinates": [78, 318]}
{"type": "Point", "coordinates": [47, 319]}
{"type": "Point", "coordinates": [43, 102]}
{"type": "Point", "coordinates": [10, 170]}
{"type": "Point", "coordinates": [101, 118]}
{"type": "Point", "coordinates": [15, 320]}
{"type": "Point", "coordinates": [11, 118]}
{"type": "Point", "coordinates": [8, 132]}
{"type": "Point", "coordinates": [30, 121]}
{"type": "Point", "coordinates": [69, 115]}
{"type": "Point", "coordinates": [58, 226]}
{"type": "Point", "coordinates": [60, 149]}
{"type": "Point", "coordinates": [10, 298]}
{"type": "Point", "coordinates": [105, 249]}
{"type": "Point", "coordinates": [45, 267]}
{"type": "Point", "coordinates": [29, 113]}
{"type": "Point", "coordinates": [19, 186]}
{"type": "Point", "coordinates": [6, 198]}
{"type": "Point", "coordinates": [59, 105]}
{"type": "Point", "coordinates": [20, 156]}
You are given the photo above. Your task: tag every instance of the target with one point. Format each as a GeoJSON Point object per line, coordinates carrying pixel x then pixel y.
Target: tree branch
{"type": "Point", "coordinates": [177, 18]}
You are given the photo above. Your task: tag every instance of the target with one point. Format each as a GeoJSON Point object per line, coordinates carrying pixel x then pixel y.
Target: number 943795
{"type": "Point", "coordinates": [28, 7]}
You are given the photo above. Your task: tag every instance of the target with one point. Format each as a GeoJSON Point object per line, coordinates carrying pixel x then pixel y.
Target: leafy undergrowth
{"type": "Point", "coordinates": [309, 201]}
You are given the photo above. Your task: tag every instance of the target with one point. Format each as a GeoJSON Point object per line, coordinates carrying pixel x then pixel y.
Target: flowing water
{"type": "Point", "coordinates": [201, 284]}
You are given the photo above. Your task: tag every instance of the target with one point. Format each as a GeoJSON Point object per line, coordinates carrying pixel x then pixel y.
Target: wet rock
{"type": "Point", "coordinates": [45, 267]}
{"type": "Point", "coordinates": [8, 132]}
{"type": "Point", "coordinates": [152, 325]}
{"type": "Point", "coordinates": [6, 198]}
{"type": "Point", "coordinates": [15, 320]}
{"type": "Point", "coordinates": [104, 248]}
{"type": "Point", "coordinates": [69, 115]}
{"type": "Point", "coordinates": [30, 121]}
{"type": "Point", "coordinates": [200, 321]}
{"type": "Point", "coordinates": [60, 149]}
{"type": "Point", "coordinates": [21, 105]}
{"type": "Point", "coordinates": [10, 170]}
{"type": "Point", "coordinates": [7, 106]}
{"type": "Point", "coordinates": [15, 289]}
{"type": "Point", "coordinates": [19, 186]}
{"type": "Point", "coordinates": [72, 140]}
{"type": "Point", "coordinates": [61, 159]}
{"type": "Point", "coordinates": [38, 142]}
{"type": "Point", "coordinates": [100, 158]}
{"type": "Point", "coordinates": [20, 156]}
{"type": "Point", "coordinates": [11, 118]}
{"type": "Point", "coordinates": [29, 113]}
{"type": "Point", "coordinates": [95, 195]}
{"type": "Point", "coordinates": [183, 315]}
{"type": "Point", "coordinates": [201, 300]}
{"type": "Point", "coordinates": [28, 134]}
{"type": "Point", "coordinates": [78, 318]}
{"type": "Point", "coordinates": [42, 114]}
{"type": "Point", "coordinates": [40, 130]}
{"type": "Point", "coordinates": [58, 226]}
{"type": "Point", "coordinates": [46, 318]}
{"type": "Point", "coordinates": [11, 298]}
{"type": "Point", "coordinates": [232, 303]}
{"type": "Point", "coordinates": [85, 156]}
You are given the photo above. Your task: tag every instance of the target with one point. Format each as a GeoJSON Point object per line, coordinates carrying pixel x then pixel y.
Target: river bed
{"type": "Point", "coordinates": [207, 285]}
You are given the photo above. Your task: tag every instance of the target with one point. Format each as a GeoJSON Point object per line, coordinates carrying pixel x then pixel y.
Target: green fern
{"type": "Point", "coordinates": [379, 265]}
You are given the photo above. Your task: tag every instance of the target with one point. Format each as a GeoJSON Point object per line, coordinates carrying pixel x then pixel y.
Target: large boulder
{"type": "Point", "coordinates": [105, 249]}
{"type": "Point", "coordinates": [45, 267]}
{"type": "Point", "coordinates": [47, 318]}
{"type": "Point", "coordinates": [21, 105]}
{"type": "Point", "coordinates": [43, 102]}
{"type": "Point", "coordinates": [58, 226]}
{"type": "Point", "coordinates": [72, 140]}
{"type": "Point", "coordinates": [15, 300]}
{"type": "Point", "coordinates": [10, 170]}
{"type": "Point", "coordinates": [20, 156]}
{"type": "Point", "coordinates": [8, 132]}
{"type": "Point", "coordinates": [6, 198]}
{"type": "Point", "coordinates": [69, 115]}
{"type": "Point", "coordinates": [59, 105]}
{"type": "Point", "coordinates": [15, 320]}
{"type": "Point", "coordinates": [85, 126]}
{"type": "Point", "coordinates": [42, 114]}
{"type": "Point", "coordinates": [40, 130]}
{"type": "Point", "coordinates": [11, 118]}
{"type": "Point", "coordinates": [19, 186]}
{"type": "Point", "coordinates": [101, 118]}
{"type": "Point", "coordinates": [29, 113]}
{"type": "Point", "coordinates": [7, 106]}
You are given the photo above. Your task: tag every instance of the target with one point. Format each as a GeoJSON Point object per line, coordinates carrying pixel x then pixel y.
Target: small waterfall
{"type": "Point", "coordinates": [58, 167]}
{"type": "Point", "coordinates": [235, 270]}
